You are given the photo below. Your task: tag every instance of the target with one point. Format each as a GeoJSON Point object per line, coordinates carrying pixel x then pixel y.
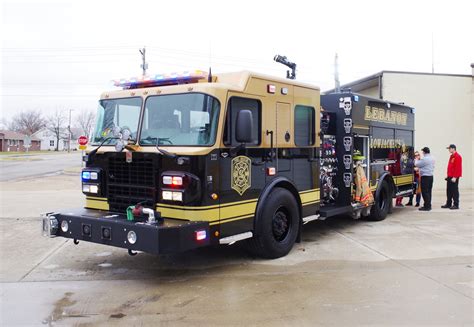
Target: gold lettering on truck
{"type": "Point", "coordinates": [385, 116]}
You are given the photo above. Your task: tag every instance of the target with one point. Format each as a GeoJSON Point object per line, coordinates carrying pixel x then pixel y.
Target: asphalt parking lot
{"type": "Point", "coordinates": [414, 268]}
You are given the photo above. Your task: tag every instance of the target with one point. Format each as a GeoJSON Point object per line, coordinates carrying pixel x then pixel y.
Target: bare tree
{"type": "Point", "coordinates": [27, 122]}
{"type": "Point", "coordinates": [4, 123]}
{"type": "Point", "coordinates": [85, 119]}
{"type": "Point", "coordinates": [57, 124]}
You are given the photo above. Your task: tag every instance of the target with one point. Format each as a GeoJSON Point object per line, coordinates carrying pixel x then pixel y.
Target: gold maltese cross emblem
{"type": "Point", "coordinates": [241, 174]}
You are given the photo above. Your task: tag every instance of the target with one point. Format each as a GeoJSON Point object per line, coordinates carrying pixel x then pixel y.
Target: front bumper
{"type": "Point", "coordinates": [108, 228]}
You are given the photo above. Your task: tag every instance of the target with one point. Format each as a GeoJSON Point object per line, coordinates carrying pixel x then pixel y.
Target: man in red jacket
{"type": "Point", "coordinates": [452, 179]}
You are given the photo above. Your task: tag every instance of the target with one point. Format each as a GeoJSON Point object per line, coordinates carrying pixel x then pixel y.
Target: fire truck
{"type": "Point", "coordinates": [183, 161]}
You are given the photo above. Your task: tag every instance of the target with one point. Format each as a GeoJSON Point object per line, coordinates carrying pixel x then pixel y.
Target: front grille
{"type": "Point", "coordinates": [130, 183]}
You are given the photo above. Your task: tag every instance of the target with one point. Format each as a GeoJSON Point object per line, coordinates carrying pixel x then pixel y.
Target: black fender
{"type": "Point", "coordinates": [282, 182]}
{"type": "Point", "coordinates": [389, 179]}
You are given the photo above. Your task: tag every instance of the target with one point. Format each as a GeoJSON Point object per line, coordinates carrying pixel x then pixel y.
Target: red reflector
{"type": "Point", "coordinates": [200, 235]}
{"type": "Point", "coordinates": [271, 171]}
{"type": "Point", "coordinates": [271, 88]}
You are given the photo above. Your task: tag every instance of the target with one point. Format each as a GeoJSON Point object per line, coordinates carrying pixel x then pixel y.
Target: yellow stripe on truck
{"type": "Point", "coordinates": [403, 179]}
{"type": "Point", "coordinates": [227, 212]}
{"type": "Point", "coordinates": [97, 203]}
{"type": "Point", "coordinates": [214, 214]}
{"type": "Point", "coordinates": [309, 196]}
{"type": "Point", "coordinates": [210, 215]}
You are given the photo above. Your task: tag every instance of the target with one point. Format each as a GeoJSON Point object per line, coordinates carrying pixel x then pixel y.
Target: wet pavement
{"type": "Point", "coordinates": [414, 268]}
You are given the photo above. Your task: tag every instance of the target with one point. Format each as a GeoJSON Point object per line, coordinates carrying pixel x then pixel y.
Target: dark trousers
{"type": "Point", "coordinates": [417, 195]}
{"type": "Point", "coordinates": [426, 187]}
{"type": "Point", "coordinates": [452, 192]}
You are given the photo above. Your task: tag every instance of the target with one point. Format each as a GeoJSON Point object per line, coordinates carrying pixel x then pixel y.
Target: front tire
{"type": "Point", "coordinates": [278, 226]}
{"type": "Point", "coordinates": [381, 207]}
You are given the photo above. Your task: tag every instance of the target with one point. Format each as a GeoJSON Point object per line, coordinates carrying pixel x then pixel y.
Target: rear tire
{"type": "Point", "coordinates": [381, 207]}
{"type": "Point", "coordinates": [277, 227]}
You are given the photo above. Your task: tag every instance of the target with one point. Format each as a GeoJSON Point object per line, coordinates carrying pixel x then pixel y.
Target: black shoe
{"type": "Point", "coordinates": [424, 209]}
{"type": "Point", "coordinates": [446, 206]}
{"type": "Point", "coordinates": [409, 203]}
{"type": "Point", "coordinates": [454, 208]}
{"type": "Point", "coordinates": [417, 205]}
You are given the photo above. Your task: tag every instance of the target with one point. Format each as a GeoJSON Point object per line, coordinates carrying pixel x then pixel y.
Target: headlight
{"type": "Point", "coordinates": [88, 188]}
{"type": "Point", "coordinates": [173, 180]}
{"type": "Point", "coordinates": [132, 237]}
{"type": "Point", "coordinates": [172, 196]}
{"type": "Point", "coordinates": [64, 226]}
{"type": "Point", "coordinates": [90, 175]}
{"type": "Point", "coordinates": [167, 180]}
{"type": "Point", "coordinates": [177, 196]}
{"type": "Point", "coordinates": [167, 195]}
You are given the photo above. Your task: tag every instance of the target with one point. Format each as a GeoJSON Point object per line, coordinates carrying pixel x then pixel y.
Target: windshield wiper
{"type": "Point", "coordinates": [166, 153]}
{"type": "Point", "coordinates": [93, 152]}
{"type": "Point", "coordinates": [162, 151]}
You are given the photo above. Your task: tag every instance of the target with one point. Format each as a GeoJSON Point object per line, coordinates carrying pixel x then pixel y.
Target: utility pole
{"type": "Point", "coordinates": [144, 65]}
{"type": "Point", "coordinates": [337, 84]}
{"type": "Point", "coordinates": [70, 133]}
{"type": "Point", "coordinates": [432, 53]}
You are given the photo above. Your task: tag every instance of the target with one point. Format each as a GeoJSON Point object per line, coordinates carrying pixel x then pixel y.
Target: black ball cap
{"type": "Point", "coordinates": [451, 146]}
{"type": "Point", "coordinates": [426, 149]}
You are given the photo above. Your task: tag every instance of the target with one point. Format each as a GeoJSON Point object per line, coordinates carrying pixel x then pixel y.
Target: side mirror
{"type": "Point", "coordinates": [244, 127]}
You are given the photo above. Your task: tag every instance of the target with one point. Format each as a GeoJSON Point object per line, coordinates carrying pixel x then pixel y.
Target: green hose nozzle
{"type": "Point", "coordinates": [129, 213]}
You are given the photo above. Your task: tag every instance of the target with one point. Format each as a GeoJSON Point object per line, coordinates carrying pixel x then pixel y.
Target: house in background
{"type": "Point", "coordinates": [13, 141]}
{"type": "Point", "coordinates": [48, 139]}
{"type": "Point", "coordinates": [444, 105]}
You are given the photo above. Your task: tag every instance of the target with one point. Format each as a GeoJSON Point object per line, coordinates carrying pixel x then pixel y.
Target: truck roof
{"type": "Point", "coordinates": [234, 81]}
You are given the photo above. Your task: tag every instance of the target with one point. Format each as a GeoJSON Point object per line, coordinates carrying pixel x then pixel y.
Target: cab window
{"type": "Point", "coordinates": [235, 105]}
{"type": "Point", "coordinates": [304, 125]}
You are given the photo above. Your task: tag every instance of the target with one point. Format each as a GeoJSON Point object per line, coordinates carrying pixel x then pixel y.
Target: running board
{"type": "Point", "coordinates": [234, 238]}
{"type": "Point", "coordinates": [402, 193]}
{"type": "Point", "coordinates": [311, 218]}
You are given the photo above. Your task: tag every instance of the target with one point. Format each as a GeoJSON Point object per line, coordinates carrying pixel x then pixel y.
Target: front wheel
{"type": "Point", "coordinates": [381, 207]}
{"type": "Point", "coordinates": [277, 227]}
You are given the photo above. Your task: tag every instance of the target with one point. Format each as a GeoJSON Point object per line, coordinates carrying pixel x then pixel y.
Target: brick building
{"type": "Point", "coordinates": [13, 141]}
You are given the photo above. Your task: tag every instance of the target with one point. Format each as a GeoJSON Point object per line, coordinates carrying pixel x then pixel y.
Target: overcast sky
{"type": "Point", "coordinates": [63, 54]}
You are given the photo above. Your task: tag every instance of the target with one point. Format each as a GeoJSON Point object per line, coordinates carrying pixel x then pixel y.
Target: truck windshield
{"type": "Point", "coordinates": [116, 115]}
{"type": "Point", "coordinates": [180, 119]}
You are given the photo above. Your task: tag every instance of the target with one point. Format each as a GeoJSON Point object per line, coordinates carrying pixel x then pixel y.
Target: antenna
{"type": "Point", "coordinates": [337, 84]}
{"type": "Point", "coordinates": [144, 65]}
{"type": "Point", "coordinates": [209, 77]}
{"type": "Point", "coordinates": [283, 60]}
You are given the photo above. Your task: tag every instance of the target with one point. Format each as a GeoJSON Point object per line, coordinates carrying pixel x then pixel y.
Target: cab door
{"type": "Point", "coordinates": [242, 172]}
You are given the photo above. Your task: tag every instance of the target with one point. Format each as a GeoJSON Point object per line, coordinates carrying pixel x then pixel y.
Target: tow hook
{"type": "Point", "coordinates": [131, 252]}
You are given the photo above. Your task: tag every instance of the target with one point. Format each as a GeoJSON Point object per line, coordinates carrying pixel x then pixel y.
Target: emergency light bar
{"type": "Point", "coordinates": [161, 79]}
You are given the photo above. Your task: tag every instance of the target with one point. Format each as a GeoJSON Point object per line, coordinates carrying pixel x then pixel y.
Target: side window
{"type": "Point", "coordinates": [235, 105]}
{"type": "Point", "coordinates": [304, 125]}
